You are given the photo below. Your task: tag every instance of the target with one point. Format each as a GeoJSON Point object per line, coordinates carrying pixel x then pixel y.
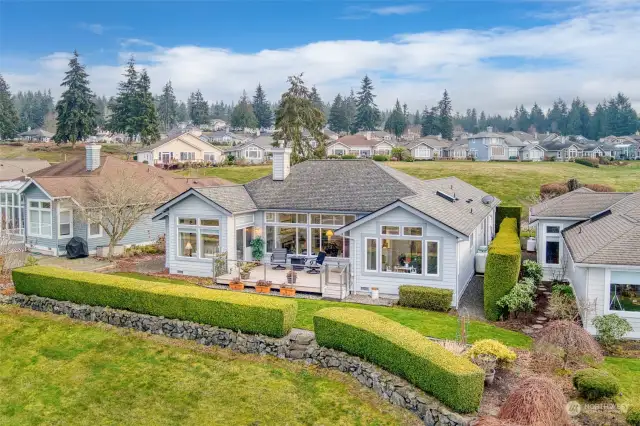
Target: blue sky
{"type": "Point", "coordinates": [489, 54]}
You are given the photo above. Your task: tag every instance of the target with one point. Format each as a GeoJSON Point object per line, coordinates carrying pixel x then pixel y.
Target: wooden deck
{"type": "Point", "coordinates": [310, 283]}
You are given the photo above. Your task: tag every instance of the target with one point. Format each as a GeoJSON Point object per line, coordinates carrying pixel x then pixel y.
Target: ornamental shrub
{"type": "Point", "coordinates": [520, 298]}
{"type": "Point", "coordinates": [633, 415]}
{"type": "Point", "coordinates": [537, 401]}
{"type": "Point", "coordinates": [600, 187]}
{"type": "Point", "coordinates": [503, 354]}
{"type": "Point", "coordinates": [565, 289]}
{"type": "Point", "coordinates": [611, 328]}
{"type": "Point", "coordinates": [349, 157]}
{"type": "Point", "coordinates": [563, 307]}
{"type": "Point", "coordinates": [532, 269]}
{"type": "Point", "coordinates": [589, 162]}
{"type": "Point", "coordinates": [503, 212]}
{"type": "Point", "coordinates": [452, 379]}
{"type": "Point", "coordinates": [577, 345]}
{"type": "Point", "coordinates": [333, 156]}
{"type": "Point", "coordinates": [503, 267]}
{"type": "Point", "coordinates": [429, 298]}
{"type": "Point", "coordinates": [594, 384]}
{"type": "Point", "coordinates": [249, 313]}
{"type": "Point", "coordinates": [551, 190]}
{"type": "Point", "coordinates": [380, 157]}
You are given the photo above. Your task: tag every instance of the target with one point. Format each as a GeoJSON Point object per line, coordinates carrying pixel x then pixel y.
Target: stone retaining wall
{"type": "Point", "coordinates": [298, 345]}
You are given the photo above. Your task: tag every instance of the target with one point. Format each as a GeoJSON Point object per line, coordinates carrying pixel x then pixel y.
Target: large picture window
{"type": "Point", "coordinates": [497, 151]}
{"type": "Point", "coordinates": [198, 237]}
{"type": "Point", "coordinates": [625, 291]}
{"type": "Point", "coordinates": [187, 244]}
{"type": "Point", "coordinates": [40, 218]}
{"type": "Point", "coordinates": [404, 256]}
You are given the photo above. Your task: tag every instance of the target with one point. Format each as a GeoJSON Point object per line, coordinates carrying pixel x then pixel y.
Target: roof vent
{"type": "Point", "coordinates": [469, 200]}
{"type": "Point", "coordinates": [600, 215]}
{"type": "Point", "coordinates": [488, 199]}
{"type": "Point", "coordinates": [451, 198]}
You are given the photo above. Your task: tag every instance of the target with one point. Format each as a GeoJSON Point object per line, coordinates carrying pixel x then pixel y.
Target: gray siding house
{"type": "Point", "coordinates": [389, 227]}
{"type": "Point", "coordinates": [492, 146]}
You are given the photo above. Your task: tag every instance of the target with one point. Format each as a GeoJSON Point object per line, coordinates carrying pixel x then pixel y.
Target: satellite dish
{"type": "Point", "coordinates": [488, 199]}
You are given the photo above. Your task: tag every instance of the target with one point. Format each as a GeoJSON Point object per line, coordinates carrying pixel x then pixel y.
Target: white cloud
{"type": "Point", "coordinates": [94, 28]}
{"type": "Point", "coordinates": [592, 54]}
{"type": "Point", "coordinates": [406, 9]}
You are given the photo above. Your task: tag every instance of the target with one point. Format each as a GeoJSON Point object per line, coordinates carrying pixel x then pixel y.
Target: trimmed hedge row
{"type": "Point", "coordinates": [503, 267]}
{"type": "Point", "coordinates": [452, 379]}
{"type": "Point", "coordinates": [430, 298]}
{"type": "Point", "coordinates": [248, 313]}
{"type": "Point", "coordinates": [503, 212]}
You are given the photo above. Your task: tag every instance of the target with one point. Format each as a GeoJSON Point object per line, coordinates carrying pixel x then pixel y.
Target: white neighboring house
{"type": "Point", "coordinates": [592, 239]}
{"type": "Point", "coordinates": [391, 228]}
{"type": "Point", "coordinates": [182, 148]}
{"type": "Point", "coordinates": [254, 151]}
{"type": "Point", "coordinates": [360, 145]}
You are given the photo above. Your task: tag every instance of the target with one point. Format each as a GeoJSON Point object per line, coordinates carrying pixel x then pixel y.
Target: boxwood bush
{"type": "Point", "coordinates": [503, 212]}
{"type": "Point", "coordinates": [452, 379]}
{"type": "Point", "coordinates": [432, 299]}
{"type": "Point", "coordinates": [249, 313]}
{"type": "Point", "coordinates": [594, 384]}
{"type": "Point", "coordinates": [380, 157]}
{"type": "Point", "coordinates": [503, 267]}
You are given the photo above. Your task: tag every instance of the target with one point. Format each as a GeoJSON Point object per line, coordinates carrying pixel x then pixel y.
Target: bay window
{"type": "Point", "coordinates": [11, 213]}
{"type": "Point", "coordinates": [40, 218]}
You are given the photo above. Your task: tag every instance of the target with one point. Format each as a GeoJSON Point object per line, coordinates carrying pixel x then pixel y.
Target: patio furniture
{"type": "Point", "coordinates": [314, 265]}
{"type": "Point", "coordinates": [297, 262]}
{"type": "Point", "coordinates": [279, 258]}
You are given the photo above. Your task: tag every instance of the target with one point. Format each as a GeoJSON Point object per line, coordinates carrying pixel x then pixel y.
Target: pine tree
{"type": "Point", "coordinates": [182, 114]}
{"type": "Point", "coordinates": [262, 109]}
{"type": "Point", "coordinates": [482, 121]}
{"type": "Point", "coordinates": [558, 117]}
{"type": "Point", "coordinates": [296, 113]}
{"type": "Point", "coordinates": [8, 114]}
{"type": "Point", "coordinates": [76, 110]}
{"type": "Point", "coordinates": [429, 122]}
{"type": "Point", "coordinates": [367, 113]}
{"type": "Point", "coordinates": [537, 118]}
{"type": "Point", "coordinates": [242, 116]}
{"type": "Point", "coordinates": [316, 100]}
{"type": "Point", "coordinates": [416, 118]}
{"type": "Point", "coordinates": [622, 119]}
{"type": "Point", "coordinates": [198, 109]}
{"type": "Point", "coordinates": [338, 120]}
{"type": "Point", "coordinates": [167, 108]}
{"type": "Point", "coordinates": [598, 125]}
{"type": "Point", "coordinates": [397, 121]}
{"type": "Point", "coordinates": [445, 122]}
{"type": "Point", "coordinates": [148, 125]}
{"type": "Point", "coordinates": [524, 120]}
{"type": "Point", "coordinates": [125, 106]}
{"type": "Point", "coordinates": [350, 108]}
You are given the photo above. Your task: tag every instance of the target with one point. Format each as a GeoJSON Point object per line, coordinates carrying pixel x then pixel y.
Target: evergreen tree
{"type": "Point", "coordinates": [350, 108]}
{"type": "Point", "coordinates": [8, 114]}
{"type": "Point", "coordinates": [574, 122]}
{"type": "Point", "coordinates": [262, 109]}
{"type": "Point", "coordinates": [102, 107]}
{"type": "Point", "coordinates": [397, 121]}
{"type": "Point", "coordinates": [622, 119]}
{"type": "Point", "coordinates": [482, 121]}
{"type": "Point", "coordinates": [338, 120]}
{"type": "Point", "coordinates": [537, 118]}
{"type": "Point", "coordinates": [296, 113]}
{"type": "Point", "coordinates": [445, 122]}
{"type": "Point", "coordinates": [316, 100]}
{"type": "Point", "coordinates": [125, 106]}
{"type": "Point", "coordinates": [367, 113]}
{"type": "Point", "coordinates": [416, 118]}
{"type": "Point", "coordinates": [428, 122]}
{"type": "Point", "coordinates": [167, 108]}
{"type": "Point", "coordinates": [148, 125]}
{"type": "Point", "coordinates": [76, 110]}
{"type": "Point", "coordinates": [558, 117]}
{"type": "Point", "coordinates": [242, 116]}
{"type": "Point", "coordinates": [182, 114]}
{"type": "Point", "coordinates": [524, 120]}
{"type": "Point", "coordinates": [198, 109]}
{"type": "Point", "coordinates": [598, 126]}
{"type": "Point", "coordinates": [585, 118]}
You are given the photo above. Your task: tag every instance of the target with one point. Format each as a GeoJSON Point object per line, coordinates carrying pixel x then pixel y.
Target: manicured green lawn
{"type": "Point", "coordinates": [432, 324]}
{"type": "Point", "coordinates": [57, 371]}
{"type": "Point", "coordinates": [513, 183]}
{"type": "Point", "coordinates": [627, 370]}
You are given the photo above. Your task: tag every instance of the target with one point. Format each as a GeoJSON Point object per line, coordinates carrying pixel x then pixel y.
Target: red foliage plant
{"type": "Point", "coordinates": [492, 421]}
{"type": "Point", "coordinates": [576, 342]}
{"type": "Point", "coordinates": [538, 401]}
{"type": "Point", "coordinates": [551, 190]}
{"type": "Point", "coordinates": [599, 187]}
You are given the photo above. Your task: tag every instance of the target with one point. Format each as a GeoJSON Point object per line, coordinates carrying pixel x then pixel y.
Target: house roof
{"type": "Point", "coordinates": [233, 198]}
{"type": "Point", "coordinates": [11, 169]}
{"type": "Point", "coordinates": [355, 140]}
{"type": "Point", "coordinates": [264, 142]}
{"type": "Point", "coordinates": [612, 239]}
{"type": "Point", "coordinates": [40, 133]}
{"type": "Point", "coordinates": [184, 137]}
{"type": "Point", "coordinates": [581, 203]}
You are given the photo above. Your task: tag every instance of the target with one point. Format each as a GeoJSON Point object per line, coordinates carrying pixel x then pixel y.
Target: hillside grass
{"type": "Point", "coordinates": [54, 370]}
{"type": "Point", "coordinates": [53, 153]}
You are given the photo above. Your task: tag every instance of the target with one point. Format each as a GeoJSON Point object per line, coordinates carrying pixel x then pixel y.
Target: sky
{"type": "Point", "coordinates": [491, 55]}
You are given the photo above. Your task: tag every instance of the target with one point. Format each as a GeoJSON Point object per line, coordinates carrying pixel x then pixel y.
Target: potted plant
{"type": "Point", "coordinates": [245, 270]}
{"type": "Point", "coordinates": [375, 294]}
{"type": "Point", "coordinates": [287, 290]}
{"type": "Point", "coordinates": [263, 286]}
{"type": "Point", "coordinates": [257, 249]}
{"type": "Point", "coordinates": [236, 284]}
{"type": "Point", "coordinates": [488, 363]}
{"type": "Point", "coordinates": [291, 277]}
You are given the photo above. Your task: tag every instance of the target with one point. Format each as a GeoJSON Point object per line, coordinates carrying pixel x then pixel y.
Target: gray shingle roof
{"type": "Point", "coordinates": [233, 198]}
{"type": "Point", "coordinates": [609, 240]}
{"type": "Point", "coordinates": [581, 203]}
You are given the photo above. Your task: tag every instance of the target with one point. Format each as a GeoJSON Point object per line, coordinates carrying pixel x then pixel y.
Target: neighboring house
{"type": "Point", "coordinates": [377, 135]}
{"type": "Point", "coordinates": [360, 146]}
{"type": "Point", "coordinates": [562, 149]}
{"type": "Point", "coordinates": [391, 228]}
{"type": "Point", "coordinates": [256, 150]}
{"type": "Point", "coordinates": [532, 152]}
{"type": "Point", "coordinates": [331, 135]}
{"type": "Point", "coordinates": [412, 132]}
{"type": "Point", "coordinates": [428, 148]}
{"type": "Point", "coordinates": [182, 148]}
{"type": "Point", "coordinates": [223, 137]}
{"type": "Point", "coordinates": [36, 135]}
{"type": "Point", "coordinates": [14, 169]}
{"type": "Point", "coordinates": [592, 239]}
{"type": "Point", "coordinates": [491, 146]}
{"type": "Point", "coordinates": [45, 209]}
{"type": "Point", "coordinates": [217, 124]}
{"type": "Point", "coordinates": [458, 150]}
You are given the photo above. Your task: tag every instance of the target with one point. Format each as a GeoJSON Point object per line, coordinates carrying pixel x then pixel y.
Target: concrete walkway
{"type": "Point", "coordinates": [472, 301]}
{"type": "Point", "coordinates": [86, 264]}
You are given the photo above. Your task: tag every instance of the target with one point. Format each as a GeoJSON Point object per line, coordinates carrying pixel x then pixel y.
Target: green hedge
{"type": "Point", "coordinates": [237, 311]}
{"type": "Point", "coordinates": [452, 379]}
{"type": "Point", "coordinates": [503, 212]}
{"type": "Point", "coordinates": [503, 267]}
{"type": "Point", "coordinates": [380, 157]}
{"type": "Point", "coordinates": [433, 299]}
{"type": "Point", "coordinates": [594, 384]}
{"type": "Point", "coordinates": [588, 162]}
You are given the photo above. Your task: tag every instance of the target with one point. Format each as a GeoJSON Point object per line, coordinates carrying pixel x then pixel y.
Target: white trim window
{"type": "Point", "coordinates": [624, 293]}
{"type": "Point", "coordinates": [187, 156]}
{"type": "Point", "coordinates": [40, 218]}
{"type": "Point", "coordinates": [197, 238]}
{"type": "Point", "coordinates": [338, 151]}
{"type": "Point", "coordinates": [210, 157]}
{"type": "Point", "coordinates": [94, 230]}
{"type": "Point", "coordinates": [422, 152]}
{"type": "Point", "coordinates": [552, 244]}
{"type": "Point", "coordinates": [497, 151]}
{"type": "Point", "coordinates": [371, 254]}
{"type": "Point", "coordinates": [65, 223]}
{"type": "Point", "coordinates": [253, 153]}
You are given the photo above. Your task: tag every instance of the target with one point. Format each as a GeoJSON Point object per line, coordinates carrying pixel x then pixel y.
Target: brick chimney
{"type": "Point", "coordinates": [281, 163]}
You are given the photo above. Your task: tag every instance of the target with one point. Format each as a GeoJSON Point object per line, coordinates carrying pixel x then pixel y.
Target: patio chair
{"type": "Point", "coordinates": [279, 258]}
{"type": "Point", "coordinates": [314, 265]}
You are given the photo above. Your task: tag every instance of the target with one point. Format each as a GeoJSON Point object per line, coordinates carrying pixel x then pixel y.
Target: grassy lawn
{"type": "Point", "coordinates": [433, 324]}
{"type": "Point", "coordinates": [627, 370]}
{"type": "Point", "coordinates": [54, 153]}
{"type": "Point", "coordinates": [57, 371]}
{"type": "Point", "coordinates": [513, 183]}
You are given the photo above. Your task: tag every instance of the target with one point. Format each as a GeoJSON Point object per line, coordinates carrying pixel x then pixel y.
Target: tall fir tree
{"type": "Point", "coordinates": [242, 116]}
{"type": "Point", "coordinates": [296, 113]}
{"type": "Point", "coordinates": [397, 120]}
{"type": "Point", "coordinates": [557, 117]}
{"type": "Point", "coordinates": [429, 122]}
{"type": "Point", "coordinates": [316, 100]}
{"type": "Point", "coordinates": [148, 125]}
{"type": "Point", "coordinates": [416, 118]}
{"type": "Point", "coordinates": [198, 109]}
{"type": "Point", "coordinates": [622, 119]}
{"type": "Point", "coordinates": [125, 106]}
{"type": "Point", "coordinates": [8, 113]}
{"type": "Point", "coordinates": [537, 118]}
{"type": "Point", "coordinates": [167, 108]}
{"type": "Point", "coordinates": [338, 120]}
{"type": "Point", "coordinates": [350, 108]}
{"type": "Point", "coordinates": [598, 125]}
{"type": "Point", "coordinates": [262, 109]}
{"type": "Point", "coordinates": [524, 120]}
{"type": "Point", "coordinates": [182, 114]}
{"type": "Point", "coordinates": [445, 122]}
{"type": "Point", "coordinates": [367, 113]}
{"type": "Point", "coordinates": [76, 110]}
